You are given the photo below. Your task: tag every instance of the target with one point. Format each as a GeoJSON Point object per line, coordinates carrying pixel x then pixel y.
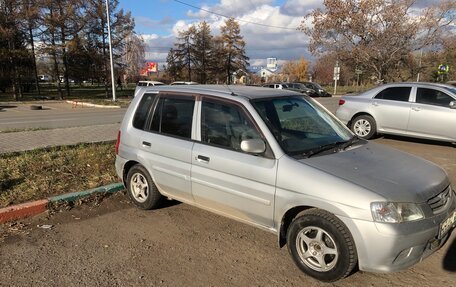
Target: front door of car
{"type": "Point", "coordinates": [431, 115]}
{"type": "Point", "coordinates": [166, 147]}
{"type": "Point", "coordinates": [224, 178]}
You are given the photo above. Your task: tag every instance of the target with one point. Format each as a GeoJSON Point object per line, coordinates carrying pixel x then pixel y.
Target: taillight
{"type": "Point", "coordinates": [341, 102]}
{"type": "Point", "coordinates": [118, 142]}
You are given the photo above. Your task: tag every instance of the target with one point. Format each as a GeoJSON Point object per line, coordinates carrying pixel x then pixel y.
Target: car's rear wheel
{"type": "Point", "coordinates": [141, 188]}
{"type": "Point", "coordinates": [364, 126]}
{"type": "Point", "coordinates": [321, 245]}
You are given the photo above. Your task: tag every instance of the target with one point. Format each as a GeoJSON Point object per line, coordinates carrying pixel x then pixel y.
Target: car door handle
{"type": "Point", "coordinates": [148, 144]}
{"type": "Point", "coordinates": [202, 158]}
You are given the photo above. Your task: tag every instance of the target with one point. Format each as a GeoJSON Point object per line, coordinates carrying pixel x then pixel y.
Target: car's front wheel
{"type": "Point", "coordinates": [364, 126]}
{"type": "Point", "coordinates": [321, 245]}
{"type": "Point", "coordinates": [141, 188]}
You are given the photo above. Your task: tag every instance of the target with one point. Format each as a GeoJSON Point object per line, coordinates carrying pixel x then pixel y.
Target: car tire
{"type": "Point", "coordinates": [141, 188]}
{"type": "Point", "coordinates": [321, 245]}
{"type": "Point", "coordinates": [364, 126]}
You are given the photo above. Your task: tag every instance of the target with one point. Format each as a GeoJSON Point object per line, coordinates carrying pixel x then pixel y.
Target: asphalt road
{"type": "Point", "coordinates": [63, 115]}
{"type": "Point", "coordinates": [56, 115]}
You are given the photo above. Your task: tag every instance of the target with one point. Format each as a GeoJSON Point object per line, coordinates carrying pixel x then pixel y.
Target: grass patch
{"type": "Point", "coordinates": [42, 173]}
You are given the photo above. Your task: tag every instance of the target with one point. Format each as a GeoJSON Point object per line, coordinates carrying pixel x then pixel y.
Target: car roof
{"type": "Point", "coordinates": [225, 91]}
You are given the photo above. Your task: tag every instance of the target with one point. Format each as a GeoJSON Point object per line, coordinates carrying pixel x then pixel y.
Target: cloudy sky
{"type": "Point", "coordinates": [268, 26]}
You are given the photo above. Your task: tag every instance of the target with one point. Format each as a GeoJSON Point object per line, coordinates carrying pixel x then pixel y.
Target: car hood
{"type": "Point", "coordinates": [395, 175]}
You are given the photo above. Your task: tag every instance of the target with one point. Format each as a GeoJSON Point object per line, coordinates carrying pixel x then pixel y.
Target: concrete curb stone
{"type": "Point", "coordinates": [84, 104]}
{"type": "Point", "coordinates": [32, 208]}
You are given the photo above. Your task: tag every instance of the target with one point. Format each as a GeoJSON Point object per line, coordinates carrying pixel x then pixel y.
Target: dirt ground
{"type": "Point", "coordinates": [115, 244]}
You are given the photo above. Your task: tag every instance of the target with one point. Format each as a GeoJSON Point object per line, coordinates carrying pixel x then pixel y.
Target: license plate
{"type": "Point", "coordinates": [447, 224]}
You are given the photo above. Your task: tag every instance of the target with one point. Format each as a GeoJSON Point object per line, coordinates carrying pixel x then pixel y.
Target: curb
{"type": "Point", "coordinates": [75, 104]}
{"type": "Point", "coordinates": [32, 208]}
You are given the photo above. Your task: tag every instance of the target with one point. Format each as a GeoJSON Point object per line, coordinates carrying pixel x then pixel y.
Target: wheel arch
{"type": "Point", "coordinates": [127, 166]}
{"type": "Point", "coordinates": [287, 218]}
{"type": "Point", "coordinates": [360, 114]}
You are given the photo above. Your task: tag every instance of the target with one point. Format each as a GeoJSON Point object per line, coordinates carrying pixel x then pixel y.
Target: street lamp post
{"type": "Point", "coordinates": [113, 83]}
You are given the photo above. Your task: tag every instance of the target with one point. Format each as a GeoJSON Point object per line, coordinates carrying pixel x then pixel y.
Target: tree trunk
{"type": "Point", "coordinates": [64, 53]}
{"type": "Point", "coordinates": [35, 71]}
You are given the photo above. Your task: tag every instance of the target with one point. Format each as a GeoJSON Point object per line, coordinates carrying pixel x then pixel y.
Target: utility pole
{"type": "Point", "coordinates": [419, 66]}
{"type": "Point", "coordinates": [336, 76]}
{"type": "Point", "coordinates": [113, 83]}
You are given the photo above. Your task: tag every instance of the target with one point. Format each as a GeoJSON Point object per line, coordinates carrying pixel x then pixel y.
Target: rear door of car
{"type": "Point", "coordinates": [166, 145]}
{"type": "Point", "coordinates": [431, 115]}
{"type": "Point", "coordinates": [224, 178]}
{"type": "Point", "coordinates": [391, 109]}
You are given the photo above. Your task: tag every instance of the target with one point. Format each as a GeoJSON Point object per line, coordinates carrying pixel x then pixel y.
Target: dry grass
{"type": "Point", "coordinates": [42, 173]}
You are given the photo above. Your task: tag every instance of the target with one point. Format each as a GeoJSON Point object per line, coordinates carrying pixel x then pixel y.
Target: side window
{"type": "Point", "coordinates": [142, 111]}
{"type": "Point", "coordinates": [400, 94]}
{"type": "Point", "coordinates": [174, 116]}
{"type": "Point", "coordinates": [432, 97]}
{"type": "Point", "coordinates": [225, 125]}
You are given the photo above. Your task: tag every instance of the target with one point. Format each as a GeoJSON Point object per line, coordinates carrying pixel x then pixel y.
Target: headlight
{"type": "Point", "coordinates": [395, 212]}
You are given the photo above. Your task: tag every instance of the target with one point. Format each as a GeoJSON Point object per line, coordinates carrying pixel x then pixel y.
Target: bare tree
{"type": "Point", "coordinates": [378, 34]}
{"type": "Point", "coordinates": [133, 55]}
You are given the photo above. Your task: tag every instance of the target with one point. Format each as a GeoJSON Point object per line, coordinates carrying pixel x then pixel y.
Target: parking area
{"type": "Point", "coordinates": [115, 244]}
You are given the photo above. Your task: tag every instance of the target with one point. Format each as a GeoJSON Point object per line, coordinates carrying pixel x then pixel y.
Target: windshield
{"type": "Point", "coordinates": [300, 125]}
{"type": "Point", "coordinates": [451, 89]}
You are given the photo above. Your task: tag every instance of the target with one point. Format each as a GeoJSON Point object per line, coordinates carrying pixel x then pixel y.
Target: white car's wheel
{"type": "Point", "coordinates": [364, 126]}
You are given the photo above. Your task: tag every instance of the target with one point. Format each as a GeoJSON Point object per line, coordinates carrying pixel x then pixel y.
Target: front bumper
{"type": "Point", "coordinates": [386, 247]}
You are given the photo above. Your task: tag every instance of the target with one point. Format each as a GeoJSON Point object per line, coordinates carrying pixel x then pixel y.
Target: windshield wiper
{"type": "Point", "coordinates": [319, 149]}
{"type": "Point", "coordinates": [337, 146]}
{"type": "Point", "coordinates": [350, 142]}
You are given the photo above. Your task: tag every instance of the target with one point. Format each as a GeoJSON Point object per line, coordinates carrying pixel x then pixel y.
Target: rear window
{"type": "Point", "coordinates": [400, 94]}
{"type": "Point", "coordinates": [139, 120]}
{"type": "Point", "coordinates": [141, 84]}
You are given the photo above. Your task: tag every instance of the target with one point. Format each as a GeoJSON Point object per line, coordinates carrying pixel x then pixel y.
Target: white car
{"type": "Point", "coordinates": [422, 110]}
{"type": "Point", "coordinates": [141, 84]}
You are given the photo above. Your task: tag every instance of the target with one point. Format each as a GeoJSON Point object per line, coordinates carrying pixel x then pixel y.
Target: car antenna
{"type": "Point", "coordinates": [232, 93]}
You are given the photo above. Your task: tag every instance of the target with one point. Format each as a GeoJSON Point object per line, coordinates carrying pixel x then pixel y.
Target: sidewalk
{"type": "Point", "coordinates": [28, 140]}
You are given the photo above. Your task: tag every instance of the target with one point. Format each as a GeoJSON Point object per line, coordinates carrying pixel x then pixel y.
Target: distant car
{"type": "Point", "coordinates": [183, 83]}
{"type": "Point", "coordinates": [149, 83]}
{"type": "Point", "coordinates": [275, 86]}
{"type": "Point", "coordinates": [300, 87]}
{"type": "Point", "coordinates": [453, 83]}
{"type": "Point", "coordinates": [279, 161]}
{"type": "Point", "coordinates": [317, 88]}
{"type": "Point", "coordinates": [146, 84]}
{"type": "Point", "coordinates": [422, 110]}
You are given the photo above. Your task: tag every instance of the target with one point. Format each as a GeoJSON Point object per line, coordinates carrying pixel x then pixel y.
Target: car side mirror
{"type": "Point", "coordinates": [453, 105]}
{"type": "Point", "coordinates": [255, 146]}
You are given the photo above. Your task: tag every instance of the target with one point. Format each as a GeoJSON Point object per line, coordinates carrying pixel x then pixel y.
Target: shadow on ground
{"type": "Point", "coordinates": [417, 140]}
{"type": "Point", "coordinates": [449, 261]}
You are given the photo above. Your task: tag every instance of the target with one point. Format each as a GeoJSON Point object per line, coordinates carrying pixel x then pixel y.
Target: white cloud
{"type": "Point", "coordinates": [230, 8]}
{"type": "Point", "coordinates": [300, 7]}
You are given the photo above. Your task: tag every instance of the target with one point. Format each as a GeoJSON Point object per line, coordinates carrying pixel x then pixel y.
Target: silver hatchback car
{"type": "Point", "coordinates": [280, 161]}
{"type": "Point", "coordinates": [422, 110]}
